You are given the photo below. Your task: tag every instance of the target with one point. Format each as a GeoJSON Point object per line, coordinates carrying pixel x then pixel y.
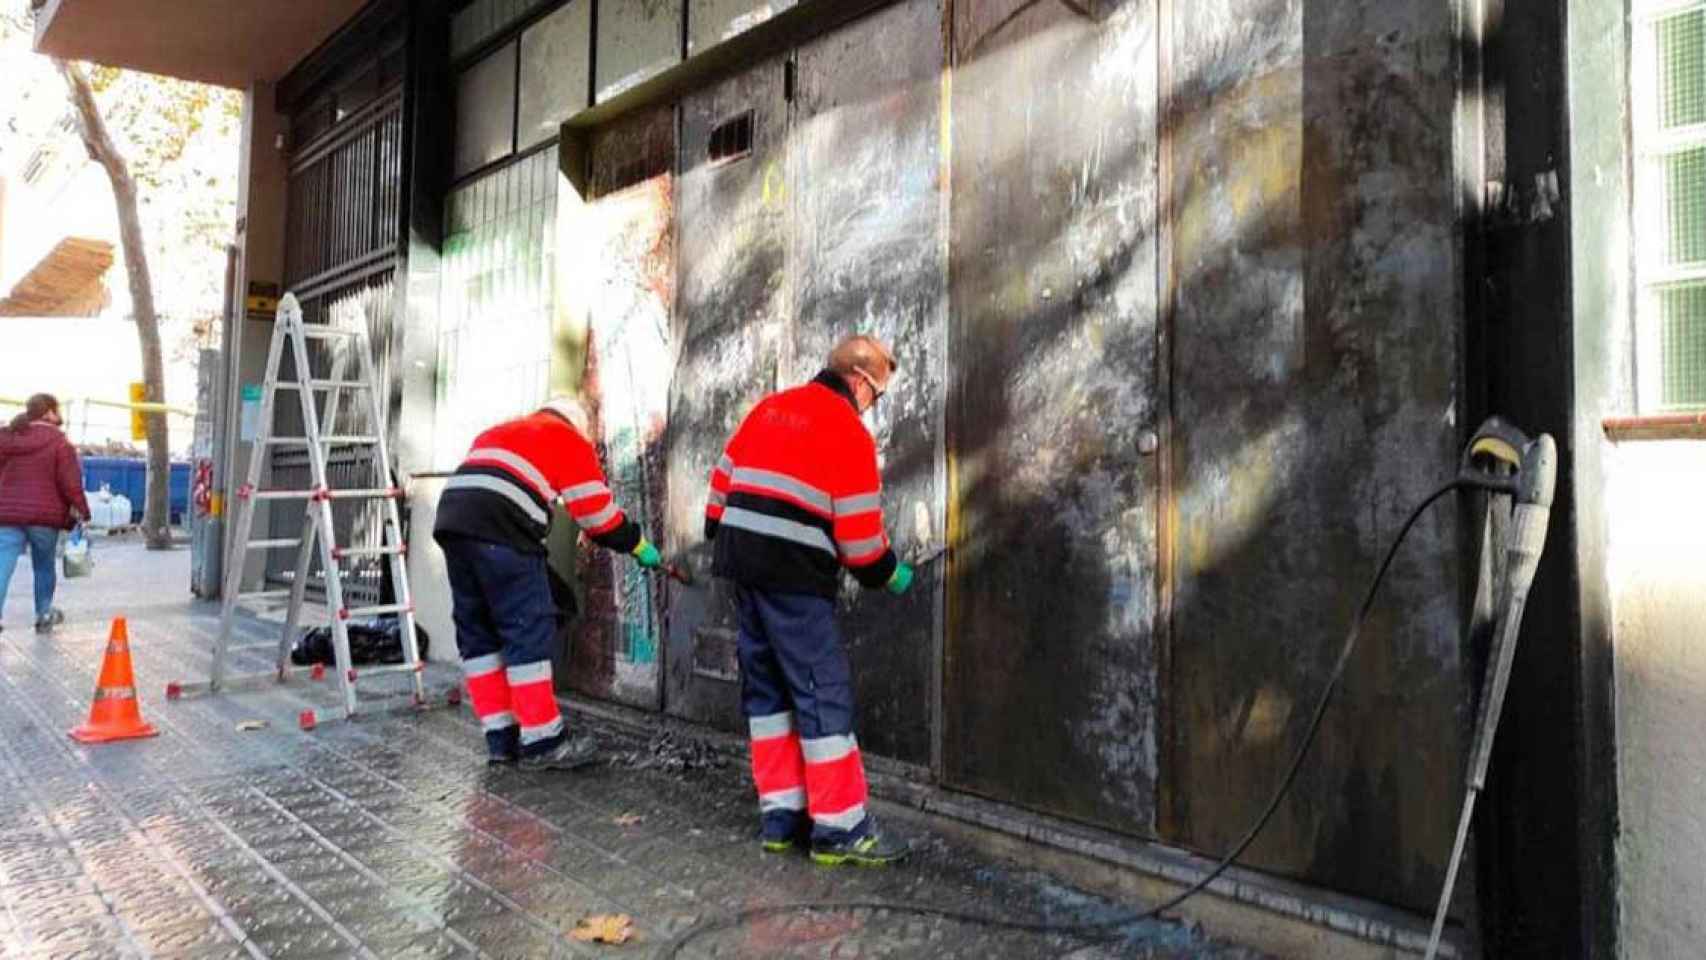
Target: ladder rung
{"type": "Point", "coordinates": [381, 671]}
{"type": "Point", "coordinates": [273, 544]}
{"type": "Point", "coordinates": [303, 441]}
{"type": "Point", "coordinates": [351, 613]}
{"type": "Point", "coordinates": [395, 551]}
{"type": "Point", "coordinates": [313, 330]}
{"type": "Point", "coordinates": [322, 385]}
{"type": "Point", "coordinates": [280, 494]}
{"type": "Point", "coordinates": [377, 493]}
{"type": "Point", "coordinates": [321, 493]}
{"type": "Point", "coordinates": [264, 595]}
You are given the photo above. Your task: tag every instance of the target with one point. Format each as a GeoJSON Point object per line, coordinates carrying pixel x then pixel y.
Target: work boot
{"type": "Point", "coordinates": [786, 842]}
{"type": "Point", "coordinates": [47, 621]}
{"type": "Point", "coordinates": [871, 850]}
{"type": "Point", "coordinates": [572, 754]}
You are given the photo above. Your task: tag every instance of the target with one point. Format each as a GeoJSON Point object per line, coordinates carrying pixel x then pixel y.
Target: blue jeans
{"type": "Point", "coordinates": [42, 543]}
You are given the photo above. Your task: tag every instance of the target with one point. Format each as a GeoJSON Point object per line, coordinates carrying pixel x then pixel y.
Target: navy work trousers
{"type": "Point", "coordinates": [797, 694]}
{"type": "Point", "coordinates": [505, 625]}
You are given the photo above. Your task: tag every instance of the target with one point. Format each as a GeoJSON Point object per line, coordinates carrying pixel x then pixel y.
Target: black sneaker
{"type": "Point", "coordinates": [47, 621]}
{"type": "Point", "coordinates": [871, 850]}
{"type": "Point", "coordinates": [572, 754]}
{"type": "Point", "coordinates": [503, 759]}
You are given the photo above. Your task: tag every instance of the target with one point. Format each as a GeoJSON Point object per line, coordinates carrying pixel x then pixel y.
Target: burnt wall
{"type": "Point", "coordinates": [1316, 356]}
{"type": "Point", "coordinates": [1049, 694]}
{"type": "Point", "coordinates": [865, 256]}
{"type": "Point", "coordinates": [1178, 292]}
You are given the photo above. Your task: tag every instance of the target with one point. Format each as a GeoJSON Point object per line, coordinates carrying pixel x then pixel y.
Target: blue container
{"type": "Point", "coordinates": [178, 492]}
{"type": "Point", "coordinates": [129, 476]}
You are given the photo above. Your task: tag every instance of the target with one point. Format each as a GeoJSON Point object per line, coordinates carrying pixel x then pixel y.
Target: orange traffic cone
{"type": "Point", "coordinates": [114, 715]}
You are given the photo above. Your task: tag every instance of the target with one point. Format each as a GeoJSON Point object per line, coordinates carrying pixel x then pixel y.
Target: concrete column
{"type": "Point", "coordinates": [427, 175]}
{"type": "Point", "coordinates": [262, 191]}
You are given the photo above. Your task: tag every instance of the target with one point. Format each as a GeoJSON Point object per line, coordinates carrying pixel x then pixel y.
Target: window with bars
{"type": "Point", "coordinates": [1669, 75]}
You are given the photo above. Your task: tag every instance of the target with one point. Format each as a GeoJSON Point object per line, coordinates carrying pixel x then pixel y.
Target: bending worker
{"type": "Point", "coordinates": [795, 497]}
{"type": "Point", "coordinates": [492, 521]}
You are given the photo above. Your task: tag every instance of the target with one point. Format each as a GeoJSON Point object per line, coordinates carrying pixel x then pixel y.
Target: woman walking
{"type": "Point", "coordinates": [41, 493]}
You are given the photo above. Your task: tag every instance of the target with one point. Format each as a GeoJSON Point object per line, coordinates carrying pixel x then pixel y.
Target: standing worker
{"type": "Point", "coordinates": [41, 493]}
{"type": "Point", "coordinates": [795, 497]}
{"type": "Point", "coordinates": [492, 521]}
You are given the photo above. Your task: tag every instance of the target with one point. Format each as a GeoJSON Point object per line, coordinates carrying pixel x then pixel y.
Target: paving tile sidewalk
{"type": "Point", "coordinates": [391, 838]}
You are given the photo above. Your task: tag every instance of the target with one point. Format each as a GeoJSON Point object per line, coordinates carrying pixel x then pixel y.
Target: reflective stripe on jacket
{"type": "Point", "coordinates": [503, 491]}
{"type": "Point", "coordinates": [796, 495]}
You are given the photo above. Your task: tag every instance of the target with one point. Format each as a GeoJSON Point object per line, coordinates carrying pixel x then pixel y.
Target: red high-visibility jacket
{"type": "Point", "coordinates": [503, 490]}
{"type": "Point", "coordinates": [796, 495]}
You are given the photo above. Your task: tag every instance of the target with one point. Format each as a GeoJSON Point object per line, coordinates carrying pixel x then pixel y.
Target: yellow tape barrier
{"type": "Point", "coordinates": [112, 404]}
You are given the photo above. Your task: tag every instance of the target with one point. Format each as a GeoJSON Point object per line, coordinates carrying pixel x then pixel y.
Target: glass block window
{"type": "Point", "coordinates": [485, 112]}
{"type": "Point", "coordinates": [556, 72]}
{"type": "Point", "coordinates": [482, 20]}
{"type": "Point", "coordinates": [1669, 73]}
{"type": "Point", "coordinates": [1682, 342]}
{"type": "Point", "coordinates": [495, 300]}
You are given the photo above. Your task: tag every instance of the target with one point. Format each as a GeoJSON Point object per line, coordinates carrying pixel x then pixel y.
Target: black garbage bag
{"type": "Point", "coordinates": [374, 641]}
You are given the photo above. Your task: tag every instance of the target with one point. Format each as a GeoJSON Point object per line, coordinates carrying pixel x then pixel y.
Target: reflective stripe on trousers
{"type": "Point", "coordinates": [535, 701]}
{"type": "Point", "coordinates": [778, 766]}
{"type": "Point", "coordinates": [835, 781]}
{"type": "Point", "coordinates": [488, 691]}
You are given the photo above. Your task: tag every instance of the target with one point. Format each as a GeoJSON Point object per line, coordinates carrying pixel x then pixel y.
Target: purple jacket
{"type": "Point", "coordinates": [40, 478]}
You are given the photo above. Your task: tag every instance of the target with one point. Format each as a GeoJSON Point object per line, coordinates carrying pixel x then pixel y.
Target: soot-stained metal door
{"type": "Point", "coordinates": [1050, 693]}
{"type": "Point", "coordinates": [866, 257]}
{"type": "Point", "coordinates": [627, 230]}
{"type": "Point", "coordinates": [1316, 388]}
{"type": "Point", "coordinates": [732, 318]}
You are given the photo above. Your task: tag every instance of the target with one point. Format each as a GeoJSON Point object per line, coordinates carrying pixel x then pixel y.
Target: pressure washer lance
{"type": "Point", "coordinates": [1536, 473]}
{"type": "Point", "coordinates": [928, 554]}
{"type": "Point", "coordinates": [1500, 460]}
{"type": "Point", "coordinates": [680, 572]}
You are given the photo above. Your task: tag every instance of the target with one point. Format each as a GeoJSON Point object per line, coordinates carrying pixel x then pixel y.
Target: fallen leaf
{"type": "Point", "coordinates": [248, 725]}
{"type": "Point", "coordinates": [630, 820]}
{"type": "Point", "coordinates": [604, 928]}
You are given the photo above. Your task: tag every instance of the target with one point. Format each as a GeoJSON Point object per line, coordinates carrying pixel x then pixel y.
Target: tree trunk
{"type": "Point", "coordinates": [155, 517]}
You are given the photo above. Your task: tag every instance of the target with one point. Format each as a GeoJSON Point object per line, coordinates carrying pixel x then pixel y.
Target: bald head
{"type": "Point", "coordinates": [863, 354]}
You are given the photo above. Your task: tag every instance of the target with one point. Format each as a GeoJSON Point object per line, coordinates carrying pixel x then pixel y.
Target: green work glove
{"type": "Point", "coordinates": [901, 579]}
{"type": "Point", "coordinates": [648, 555]}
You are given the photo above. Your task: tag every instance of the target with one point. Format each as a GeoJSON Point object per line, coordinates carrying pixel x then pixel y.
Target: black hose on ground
{"type": "Point", "coordinates": [1109, 929]}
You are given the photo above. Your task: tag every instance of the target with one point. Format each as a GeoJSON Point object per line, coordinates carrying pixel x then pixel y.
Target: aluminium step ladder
{"type": "Point", "coordinates": [320, 421]}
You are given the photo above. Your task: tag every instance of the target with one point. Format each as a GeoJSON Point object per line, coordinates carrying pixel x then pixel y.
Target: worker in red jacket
{"type": "Point", "coordinates": [491, 523]}
{"type": "Point", "coordinates": [796, 497]}
{"type": "Point", "coordinates": [41, 493]}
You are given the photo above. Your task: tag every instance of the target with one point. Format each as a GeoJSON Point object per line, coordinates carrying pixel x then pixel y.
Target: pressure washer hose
{"type": "Point", "coordinates": [1109, 929]}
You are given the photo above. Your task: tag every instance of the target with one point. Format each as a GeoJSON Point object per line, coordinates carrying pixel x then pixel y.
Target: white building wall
{"type": "Point", "coordinates": [1657, 501]}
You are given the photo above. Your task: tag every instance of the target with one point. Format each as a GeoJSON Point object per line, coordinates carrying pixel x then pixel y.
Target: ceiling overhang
{"type": "Point", "coordinates": [232, 43]}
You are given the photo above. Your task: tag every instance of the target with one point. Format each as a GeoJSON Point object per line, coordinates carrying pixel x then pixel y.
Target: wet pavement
{"type": "Point", "coordinates": [389, 837]}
